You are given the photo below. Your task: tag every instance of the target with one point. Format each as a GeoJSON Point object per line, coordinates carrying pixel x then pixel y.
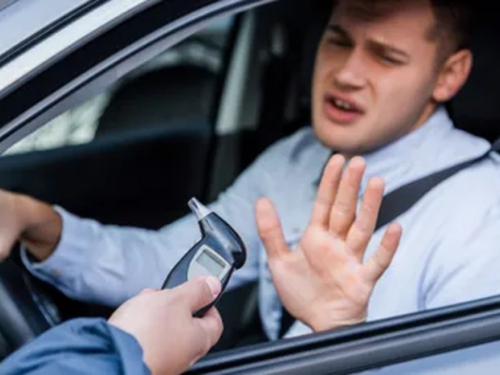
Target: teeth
{"type": "Point", "coordinates": [341, 104]}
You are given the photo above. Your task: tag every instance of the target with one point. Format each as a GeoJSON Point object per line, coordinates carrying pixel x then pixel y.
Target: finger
{"type": "Point", "coordinates": [362, 230]}
{"type": "Point", "coordinates": [212, 326]}
{"type": "Point", "coordinates": [269, 227]}
{"type": "Point", "coordinates": [199, 292]}
{"type": "Point", "coordinates": [344, 208]}
{"type": "Point", "coordinates": [380, 261]}
{"type": "Point", "coordinates": [327, 191]}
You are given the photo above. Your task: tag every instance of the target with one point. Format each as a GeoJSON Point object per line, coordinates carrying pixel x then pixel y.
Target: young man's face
{"type": "Point", "coordinates": [374, 77]}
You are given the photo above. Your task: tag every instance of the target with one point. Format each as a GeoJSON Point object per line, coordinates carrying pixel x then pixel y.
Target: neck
{"type": "Point", "coordinates": [428, 111]}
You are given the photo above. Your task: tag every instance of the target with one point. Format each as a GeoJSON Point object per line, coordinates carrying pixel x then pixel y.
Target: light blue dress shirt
{"type": "Point", "coordinates": [449, 253]}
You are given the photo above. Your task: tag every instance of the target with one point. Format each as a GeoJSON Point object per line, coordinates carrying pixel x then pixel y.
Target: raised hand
{"type": "Point", "coordinates": [324, 281]}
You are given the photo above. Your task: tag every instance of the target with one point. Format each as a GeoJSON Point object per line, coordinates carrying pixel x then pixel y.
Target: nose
{"type": "Point", "coordinates": [352, 74]}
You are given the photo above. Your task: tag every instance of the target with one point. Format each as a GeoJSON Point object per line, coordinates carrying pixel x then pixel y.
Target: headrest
{"type": "Point", "coordinates": [173, 94]}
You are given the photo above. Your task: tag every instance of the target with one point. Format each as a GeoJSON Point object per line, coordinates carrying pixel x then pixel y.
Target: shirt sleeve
{"type": "Point", "coordinates": [109, 264]}
{"type": "Point", "coordinates": [79, 347]}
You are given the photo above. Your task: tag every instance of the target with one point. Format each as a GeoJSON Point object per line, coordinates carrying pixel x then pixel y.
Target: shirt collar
{"type": "Point", "coordinates": [386, 160]}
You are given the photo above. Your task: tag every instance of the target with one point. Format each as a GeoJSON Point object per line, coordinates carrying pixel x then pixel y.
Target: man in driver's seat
{"type": "Point", "coordinates": [383, 69]}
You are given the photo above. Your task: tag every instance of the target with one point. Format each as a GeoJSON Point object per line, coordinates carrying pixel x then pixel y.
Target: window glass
{"type": "Point", "coordinates": [184, 76]}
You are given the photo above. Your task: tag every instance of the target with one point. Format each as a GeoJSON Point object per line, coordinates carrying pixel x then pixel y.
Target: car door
{"type": "Point", "coordinates": [70, 64]}
{"type": "Point", "coordinates": [105, 143]}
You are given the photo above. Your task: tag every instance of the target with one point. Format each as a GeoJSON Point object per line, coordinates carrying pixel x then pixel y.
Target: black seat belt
{"type": "Point", "coordinates": [401, 200]}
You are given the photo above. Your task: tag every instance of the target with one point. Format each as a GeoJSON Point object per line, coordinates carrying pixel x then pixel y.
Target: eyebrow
{"type": "Point", "coordinates": [339, 30]}
{"type": "Point", "coordinates": [375, 45]}
{"type": "Point", "coordinates": [387, 48]}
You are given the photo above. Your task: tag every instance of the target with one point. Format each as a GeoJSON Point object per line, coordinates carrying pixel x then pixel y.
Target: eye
{"type": "Point", "coordinates": [390, 60]}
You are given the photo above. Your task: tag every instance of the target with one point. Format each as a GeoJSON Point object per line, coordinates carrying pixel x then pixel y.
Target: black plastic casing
{"type": "Point", "coordinates": [223, 239]}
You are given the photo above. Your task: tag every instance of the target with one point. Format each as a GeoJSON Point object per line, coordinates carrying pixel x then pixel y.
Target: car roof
{"type": "Point", "coordinates": [21, 20]}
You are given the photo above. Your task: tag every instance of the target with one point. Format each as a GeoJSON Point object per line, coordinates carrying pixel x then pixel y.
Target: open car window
{"type": "Point", "coordinates": [154, 123]}
{"type": "Point", "coordinates": [185, 75]}
{"type": "Point", "coordinates": [238, 85]}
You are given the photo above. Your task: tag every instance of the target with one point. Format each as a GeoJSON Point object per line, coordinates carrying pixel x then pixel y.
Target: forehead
{"type": "Point", "coordinates": [404, 20]}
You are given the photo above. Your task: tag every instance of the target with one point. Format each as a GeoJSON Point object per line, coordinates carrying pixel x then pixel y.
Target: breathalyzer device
{"type": "Point", "coordinates": [218, 253]}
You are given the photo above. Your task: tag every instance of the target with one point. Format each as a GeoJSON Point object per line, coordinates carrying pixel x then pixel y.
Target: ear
{"type": "Point", "coordinates": [453, 75]}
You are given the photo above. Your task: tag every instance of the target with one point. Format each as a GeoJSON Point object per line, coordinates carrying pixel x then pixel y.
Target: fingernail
{"type": "Point", "coordinates": [378, 181]}
{"type": "Point", "coordinates": [338, 159]}
{"type": "Point", "coordinates": [214, 285]}
{"type": "Point", "coordinates": [395, 228]}
{"type": "Point", "coordinates": [358, 161]}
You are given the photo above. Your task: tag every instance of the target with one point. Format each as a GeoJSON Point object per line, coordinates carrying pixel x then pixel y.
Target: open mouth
{"type": "Point", "coordinates": [341, 111]}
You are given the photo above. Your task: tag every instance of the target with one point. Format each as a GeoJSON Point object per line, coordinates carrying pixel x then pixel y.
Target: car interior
{"type": "Point", "coordinates": [148, 157]}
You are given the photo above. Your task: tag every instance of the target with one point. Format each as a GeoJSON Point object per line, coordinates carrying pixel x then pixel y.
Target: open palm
{"type": "Point", "coordinates": [324, 281]}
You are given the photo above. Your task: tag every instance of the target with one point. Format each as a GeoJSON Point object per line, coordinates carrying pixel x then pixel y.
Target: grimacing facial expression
{"type": "Point", "coordinates": [375, 75]}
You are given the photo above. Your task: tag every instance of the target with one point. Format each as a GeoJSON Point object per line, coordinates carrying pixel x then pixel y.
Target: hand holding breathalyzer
{"type": "Point", "coordinates": [163, 324]}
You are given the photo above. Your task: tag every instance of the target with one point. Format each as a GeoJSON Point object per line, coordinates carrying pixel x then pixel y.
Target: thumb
{"type": "Point", "coordinates": [199, 292]}
{"type": "Point", "coordinates": [269, 227]}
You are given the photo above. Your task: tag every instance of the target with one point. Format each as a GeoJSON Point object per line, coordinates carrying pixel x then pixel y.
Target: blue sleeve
{"type": "Point", "coordinates": [78, 347]}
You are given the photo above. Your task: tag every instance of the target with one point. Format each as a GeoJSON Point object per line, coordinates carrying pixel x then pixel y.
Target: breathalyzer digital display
{"type": "Point", "coordinates": [208, 263]}
{"type": "Point", "coordinates": [218, 253]}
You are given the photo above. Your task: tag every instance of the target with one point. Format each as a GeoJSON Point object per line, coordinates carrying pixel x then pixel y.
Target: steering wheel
{"type": "Point", "coordinates": [27, 307]}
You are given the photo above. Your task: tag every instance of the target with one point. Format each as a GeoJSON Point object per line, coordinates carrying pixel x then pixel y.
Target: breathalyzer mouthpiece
{"type": "Point", "coordinates": [199, 210]}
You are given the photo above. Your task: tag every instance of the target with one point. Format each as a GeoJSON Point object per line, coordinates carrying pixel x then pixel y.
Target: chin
{"type": "Point", "coordinates": [340, 139]}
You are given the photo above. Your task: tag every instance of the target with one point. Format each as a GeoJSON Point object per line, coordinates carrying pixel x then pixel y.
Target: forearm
{"type": "Point", "coordinates": [41, 226]}
{"type": "Point", "coordinates": [108, 264]}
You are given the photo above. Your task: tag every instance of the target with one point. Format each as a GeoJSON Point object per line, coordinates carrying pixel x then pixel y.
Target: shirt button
{"type": "Point", "coordinates": [296, 230]}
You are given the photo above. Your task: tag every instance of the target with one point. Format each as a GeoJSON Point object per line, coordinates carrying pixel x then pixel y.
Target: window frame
{"type": "Point", "coordinates": [60, 83]}
{"type": "Point", "coordinates": [366, 346]}
{"type": "Point", "coordinates": [15, 10]}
